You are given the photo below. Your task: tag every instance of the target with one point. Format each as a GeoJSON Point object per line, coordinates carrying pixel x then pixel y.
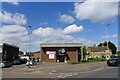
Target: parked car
{"type": "Point", "coordinates": [23, 61]}
{"type": "Point", "coordinates": [19, 61]}
{"type": "Point", "coordinates": [5, 64]}
{"type": "Point", "coordinates": [16, 62]}
{"type": "Point", "coordinates": [113, 62]}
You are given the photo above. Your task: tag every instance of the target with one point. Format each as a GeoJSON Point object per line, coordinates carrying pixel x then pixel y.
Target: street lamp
{"type": "Point", "coordinates": [30, 27]}
{"type": "Point", "coordinates": [106, 32]}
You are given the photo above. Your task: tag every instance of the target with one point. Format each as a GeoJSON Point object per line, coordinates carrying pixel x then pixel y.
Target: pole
{"type": "Point", "coordinates": [29, 65]}
{"type": "Point", "coordinates": [106, 36]}
{"type": "Point", "coordinates": [106, 32]}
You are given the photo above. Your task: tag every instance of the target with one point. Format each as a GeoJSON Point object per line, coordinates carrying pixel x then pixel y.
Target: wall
{"type": "Point", "coordinates": [9, 52]}
{"type": "Point", "coordinates": [36, 55]}
{"type": "Point", "coordinates": [45, 57]}
{"type": "Point", "coordinates": [72, 54]}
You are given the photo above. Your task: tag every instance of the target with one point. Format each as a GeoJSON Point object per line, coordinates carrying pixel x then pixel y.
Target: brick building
{"type": "Point", "coordinates": [36, 54]}
{"type": "Point", "coordinates": [60, 52]}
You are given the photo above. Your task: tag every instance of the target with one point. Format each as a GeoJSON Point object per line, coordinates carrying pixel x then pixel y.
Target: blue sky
{"type": "Point", "coordinates": [66, 20]}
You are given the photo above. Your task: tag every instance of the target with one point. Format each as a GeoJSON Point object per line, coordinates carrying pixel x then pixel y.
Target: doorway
{"type": "Point", "coordinates": [61, 55]}
{"type": "Point", "coordinates": [61, 58]}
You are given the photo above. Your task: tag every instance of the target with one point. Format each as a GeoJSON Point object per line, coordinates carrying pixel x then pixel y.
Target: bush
{"type": "Point", "coordinates": [90, 58]}
{"type": "Point", "coordinates": [103, 59]}
{"type": "Point", "coordinates": [84, 60]}
{"type": "Point", "coordinates": [96, 59]}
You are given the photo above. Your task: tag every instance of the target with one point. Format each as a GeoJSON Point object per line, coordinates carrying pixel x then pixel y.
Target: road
{"type": "Point", "coordinates": [50, 70]}
{"type": "Point", "coordinates": [109, 72]}
{"type": "Point", "coordinates": [60, 71]}
{"type": "Point", "coordinates": [98, 74]}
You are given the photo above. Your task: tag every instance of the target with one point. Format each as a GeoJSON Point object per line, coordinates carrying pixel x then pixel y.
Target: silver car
{"type": "Point", "coordinates": [5, 64]}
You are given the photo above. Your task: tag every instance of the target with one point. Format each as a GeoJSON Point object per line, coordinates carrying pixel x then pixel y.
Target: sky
{"type": "Point", "coordinates": [58, 22]}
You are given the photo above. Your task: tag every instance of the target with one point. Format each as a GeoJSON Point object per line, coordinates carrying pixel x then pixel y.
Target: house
{"type": "Point", "coordinates": [98, 52]}
{"type": "Point", "coordinates": [60, 52]}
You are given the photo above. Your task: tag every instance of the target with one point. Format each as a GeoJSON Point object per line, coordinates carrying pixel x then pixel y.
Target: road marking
{"type": "Point", "coordinates": [86, 71]}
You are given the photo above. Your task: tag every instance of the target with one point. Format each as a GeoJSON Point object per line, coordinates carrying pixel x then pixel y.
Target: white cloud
{"type": "Point", "coordinates": [66, 18]}
{"type": "Point", "coordinates": [110, 36]}
{"type": "Point", "coordinates": [49, 34]}
{"type": "Point", "coordinates": [10, 18]}
{"type": "Point", "coordinates": [73, 29]}
{"type": "Point", "coordinates": [52, 35]}
{"type": "Point", "coordinates": [14, 2]}
{"type": "Point", "coordinates": [96, 10]}
{"type": "Point", "coordinates": [15, 34]}
{"type": "Point", "coordinates": [18, 35]}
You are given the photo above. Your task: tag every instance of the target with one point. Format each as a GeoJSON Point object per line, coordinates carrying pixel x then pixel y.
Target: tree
{"type": "Point", "coordinates": [103, 44]}
{"type": "Point", "coordinates": [84, 52]}
{"type": "Point", "coordinates": [118, 53]}
{"type": "Point", "coordinates": [110, 45]}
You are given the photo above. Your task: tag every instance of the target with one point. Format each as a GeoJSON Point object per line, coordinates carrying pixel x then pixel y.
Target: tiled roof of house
{"type": "Point", "coordinates": [97, 48]}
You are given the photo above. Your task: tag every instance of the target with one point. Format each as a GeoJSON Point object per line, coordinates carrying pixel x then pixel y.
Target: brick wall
{"type": "Point", "coordinates": [72, 54]}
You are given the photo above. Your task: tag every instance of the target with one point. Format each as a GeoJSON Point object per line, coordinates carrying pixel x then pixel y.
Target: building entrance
{"type": "Point", "coordinates": [61, 58]}
{"type": "Point", "coordinates": [61, 55]}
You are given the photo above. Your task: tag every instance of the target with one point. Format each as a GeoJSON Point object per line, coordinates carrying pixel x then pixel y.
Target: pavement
{"type": "Point", "coordinates": [51, 70]}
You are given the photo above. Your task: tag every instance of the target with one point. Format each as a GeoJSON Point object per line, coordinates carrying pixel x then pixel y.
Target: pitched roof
{"type": "Point", "coordinates": [97, 48]}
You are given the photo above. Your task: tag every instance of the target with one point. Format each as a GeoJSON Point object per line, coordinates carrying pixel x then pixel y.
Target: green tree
{"type": "Point", "coordinates": [110, 45]}
{"type": "Point", "coordinates": [84, 52]}
{"type": "Point", "coordinates": [118, 53]}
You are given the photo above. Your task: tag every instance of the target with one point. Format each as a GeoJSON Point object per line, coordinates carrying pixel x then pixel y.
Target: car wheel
{"type": "Point", "coordinates": [109, 65]}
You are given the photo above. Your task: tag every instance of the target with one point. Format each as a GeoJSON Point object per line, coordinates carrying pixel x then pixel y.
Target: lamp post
{"type": "Point", "coordinates": [30, 27]}
{"type": "Point", "coordinates": [106, 32]}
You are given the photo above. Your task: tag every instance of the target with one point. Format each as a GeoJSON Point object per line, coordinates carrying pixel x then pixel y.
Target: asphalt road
{"type": "Point", "coordinates": [109, 72]}
{"type": "Point", "coordinates": [84, 71]}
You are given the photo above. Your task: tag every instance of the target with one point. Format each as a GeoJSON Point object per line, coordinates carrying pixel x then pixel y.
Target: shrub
{"type": "Point", "coordinates": [103, 59]}
{"type": "Point", "coordinates": [90, 58]}
{"type": "Point", "coordinates": [84, 60]}
{"type": "Point", "coordinates": [96, 59]}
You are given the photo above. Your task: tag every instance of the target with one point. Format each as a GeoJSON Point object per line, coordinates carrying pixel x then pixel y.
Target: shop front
{"type": "Point", "coordinates": [60, 52]}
